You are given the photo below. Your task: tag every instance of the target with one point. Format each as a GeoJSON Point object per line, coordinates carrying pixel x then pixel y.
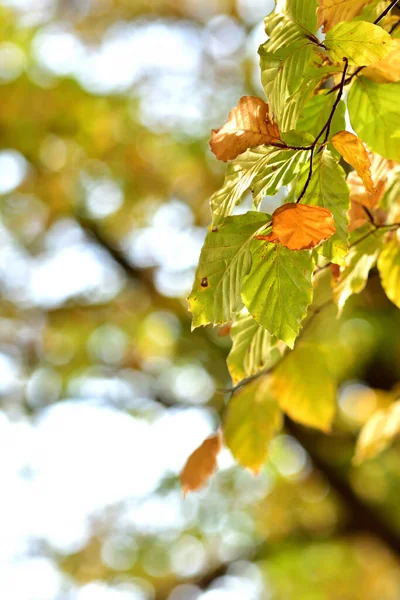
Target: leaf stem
{"type": "Point", "coordinates": [326, 129]}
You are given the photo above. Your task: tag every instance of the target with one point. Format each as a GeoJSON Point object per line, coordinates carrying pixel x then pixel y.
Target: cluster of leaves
{"type": "Point", "coordinates": [258, 271]}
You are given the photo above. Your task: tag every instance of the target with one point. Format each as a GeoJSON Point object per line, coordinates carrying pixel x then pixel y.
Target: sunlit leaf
{"type": "Point", "coordinates": [389, 269]}
{"type": "Point", "coordinates": [360, 42]}
{"type": "Point", "coordinates": [378, 433]}
{"type": "Point", "coordinates": [366, 244]}
{"type": "Point", "coordinates": [354, 152]}
{"type": "Point", "coordinates": [278, 289]}
{"type": "Point", "coordinates": [374, 111]}
{"type": "Point", "coordinates": [253, 349]}
{"type": "Point", "coordinates": [251, 420]}
{"type": "Point", "coordinates": [201, 464]}
{"type": "Point", "coordinates": [301, 227]}
{"type": "Point", "coordinates": [224, 261]}
{"type": "Point", "coordinates": [332, 12]}
{"type": "Point", "coordinates": [249, 124]}
{"type": "Point", "coordinates": [316, 112]}
{"type": "Point", "coordinates": [381, 170]}
{"type": "Point", "coordinates": [304, 387]}
{"type": "Point", "coordinates": [386, 70]}
{"type": "Point", "coordinates": [264, 169]}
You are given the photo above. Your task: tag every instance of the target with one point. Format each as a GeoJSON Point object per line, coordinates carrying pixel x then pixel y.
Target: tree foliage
{"type": "Point", "coordinates": [295, 139]}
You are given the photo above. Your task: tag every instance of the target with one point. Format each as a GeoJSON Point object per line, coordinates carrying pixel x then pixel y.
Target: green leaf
{"type": "Point", "coordinates": [328, 188]}
{"type": "Point", "coordinates": [280, 170]}
{"type": "Point", "coordinates": [278, 289]}
{"type": "Point", "coordinates": [374, 110]}
{"type": "Point", "coordinates": [360, 42]}
{"type": "Point", "coordinates": [253, 349]}
{"type": "Point", "coordinates": [366, 245]}
{"type": "Point", "coordinates": [267, 167]}
{"type": "Point", "coordinates": [304, 387]}
{"type": "Point", "coordinates": [224, 261]}
{"type": "Point", "coordinates": [289, 77]}
{"type": "Point", "coordinates": [378, 432]}
{"type": "Point", "coordinates": [316, 112]}
{"type": "Point", "coordinates": [251, 420]}
{"type": "Point", "coordinates": [389, 269]}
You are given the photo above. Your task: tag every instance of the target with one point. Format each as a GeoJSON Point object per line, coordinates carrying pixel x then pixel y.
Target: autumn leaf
{"type": "Point", "coordinates": [300, 227]}
{"type": "Point", "coordinates": [251, 420]}
{"type": "Point", "coordinates": [249, 124]}
{"type": "Point", "coordinates": [386, 70]}
{"type": "Point", "coordinates": [354, 152]}
{"type": "Point", "coordinates": [201, 464]}
{"type": "Point", "coordinates": [378, 432]}
{"type": "Point", "coordinates": [331, 12]}
{"type": "Point", "coordinates": [360, 42]}
{"type": "Point", "coordinates": [381, 168]}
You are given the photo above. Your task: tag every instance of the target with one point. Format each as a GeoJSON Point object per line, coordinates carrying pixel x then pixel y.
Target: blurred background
{"type": "Point", "coordinates": [105, 177]}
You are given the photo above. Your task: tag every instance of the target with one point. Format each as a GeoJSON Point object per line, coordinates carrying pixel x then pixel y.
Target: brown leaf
{"type": "Point", "coordinates": [359, 196]}
{"type": "Point", "coordinates": [332, 12]}
{"type": "Point", "coordinates": [335, 271]}
{"type": "Point", "coordinates": [386, 70]}
{"type": "Point", "coordinates": [249, 124]}
{"type": "Point", "coordinates": [300, 227]}
{"type": "Point", "coordinates": [201, 464]}
{"type": "Point", "coordinates": [354, 152]}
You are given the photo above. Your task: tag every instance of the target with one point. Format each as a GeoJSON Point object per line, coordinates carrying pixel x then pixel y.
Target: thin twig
{"type": "Point", "coordinates": [385, 12]}
{"type": "Point", "coordinates": [326, 129]}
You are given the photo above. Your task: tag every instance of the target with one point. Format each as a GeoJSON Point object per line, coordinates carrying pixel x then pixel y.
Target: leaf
{"type": "Point", "coordinates": [201, 464]}
{"type": "Point", "coordinates": [360, 42]}
{"type": "Point", "coordinates": [249, 124]}
{"type": "Point", "coordinates": [316, 113]}
{"type": "Point", "coordinates": [279, 289]}
{"type": "Point", "coordinates": [289, 76]}
{"type": "Point", "coordinates": [279, 171]}
{"type": "Point", "coordinates": [304, 387]}
{"type": "Point", "coordinates": [353, 151]}
{"type": "Point", "coordinates": [374, 111]}
{"type": "Point", "coordinates": [224, 261]}
{"type": "Point", "coordinates": [268, 169]}
{"type": "Point", "coordinates": [360, 197]}
{"type": "Point", "coordinates": [386, 70]}
{"type": "Point", "coordinates": [291, 65]}
{"type": "Point", "coordinates": [361, 258]}
{"type": "Point", "coordinates": [251, 420]}
{"type": "Point", "coordinates": [378, 433]}
{"type": "Point", "coordinates": [252, 350]}
{"type": "Point", "coordinates": [300, 227]}
{"type": "Point", "coordinates": [389, 269]}
{"type": "Point", "coordinates": [328, 189]}
{"type": "Point", "coordinates": [332, 12]}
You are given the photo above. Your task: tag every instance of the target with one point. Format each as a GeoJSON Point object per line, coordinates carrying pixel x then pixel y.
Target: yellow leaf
{"type": "Point", "coordinates": [387, 70]}
{"type": "Point", "coordinates": [201, 464]}
{"type": "Point", "coordinates": [389, 269]}
{"type": "Point", "coordinates": [332, 12]}
{"type": "Point", "coordinates": [300, 226]}
{"type": "Point", "coordinates": [378, 433]}
{"type": "Point", "coordinates": [250, 422]}
{"type": "Point", "coordinates": [304, 387]}
{"type": "Point", "coordinates": [249, 124]}
{"type": "Point", "coordinates": [354, 152]}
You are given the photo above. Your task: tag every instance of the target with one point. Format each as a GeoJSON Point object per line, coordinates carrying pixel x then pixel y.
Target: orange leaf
{"type": "Point", "coordinates": [201, 464]}
{"type": "Point", "coordinates": [332, 12]}
{"type": "Point", "coordinates": [249, 124]}
{"type": "Point", "coordinates": [386, 70]}
{"type": "Point", "coordinates": [359, 196]}
{"type": "Point", "coordinates": [354, 152]}
{"type": "Point", "coordinates": [300, 227]}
